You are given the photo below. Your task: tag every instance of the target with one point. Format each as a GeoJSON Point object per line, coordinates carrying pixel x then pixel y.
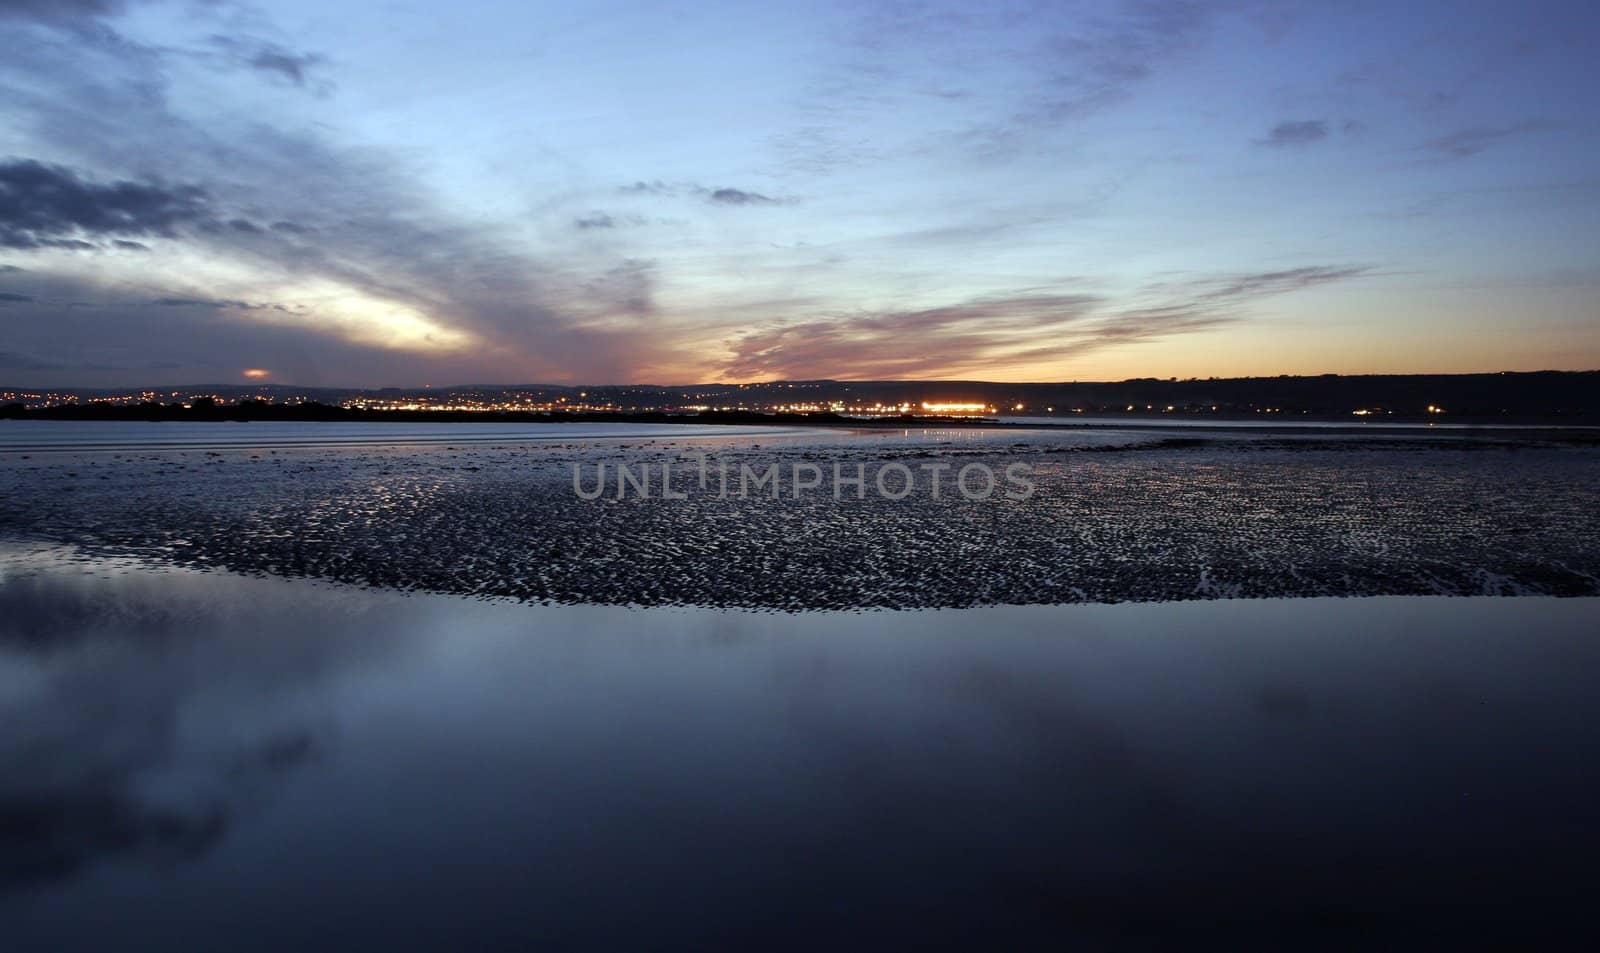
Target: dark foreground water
{"type": "Point", "coordinates": [200, 761]}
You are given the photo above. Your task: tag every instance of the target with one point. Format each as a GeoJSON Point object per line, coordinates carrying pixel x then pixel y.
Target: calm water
{"type": "Point", "coordinates": [1278, 422]}
{"type": "Point", "coordinates": [18, 436]}
{"type": "Point", "coordinates": [212, 762]}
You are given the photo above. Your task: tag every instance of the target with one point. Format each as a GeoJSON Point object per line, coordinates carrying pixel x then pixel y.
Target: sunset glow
{"type": "Point", "coordinates": [1094, 190]}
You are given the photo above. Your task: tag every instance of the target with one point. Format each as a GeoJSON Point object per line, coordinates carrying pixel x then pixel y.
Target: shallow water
{"type": "Point", "coordinates": [38, 436]}
{"type": "Point", "coordinates": [207, 761]}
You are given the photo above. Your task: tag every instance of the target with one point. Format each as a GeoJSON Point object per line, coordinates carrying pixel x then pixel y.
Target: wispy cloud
{"type": "Point", "coordinates": [1470, 142]}
{"type": "Point", "coordinates": [1296, 132]}
{"type": "Point", "coordinates": [903, 343]}
{"type": "Point", "coordinates": [740, 197]}
{"type": "Point", "coordinates": [271, 59]}
{"type": "Point", "coordinates": [716, 195]}
{"type": "Point", "coordinates": [1007, 330]}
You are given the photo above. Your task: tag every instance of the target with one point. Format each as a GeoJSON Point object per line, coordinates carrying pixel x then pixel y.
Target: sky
{"type": "Point", "coordinates": [406, 193]}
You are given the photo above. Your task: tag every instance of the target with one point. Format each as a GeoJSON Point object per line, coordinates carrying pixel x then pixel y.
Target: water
{"type": "Point", "coordinates": [23, 436]}
{"type": "Point", "coordinates": [204, 761]}
{"type": "Point", "coordinates": [1277, 422]}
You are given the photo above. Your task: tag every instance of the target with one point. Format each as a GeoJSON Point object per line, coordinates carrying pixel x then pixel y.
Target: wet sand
{"type": "Point", "coordinates": [1134, 515]}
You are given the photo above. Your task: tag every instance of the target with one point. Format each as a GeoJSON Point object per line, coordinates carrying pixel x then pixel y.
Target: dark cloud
{"type": "Point", "coordinates": [595, 221]}
{"type": "Point", "coordinates": [186, 303]}
{"type": "Point", "coordinates": [367, 230]}
{"type": "Point", "coordinates": [126, 245]}
{"type": "Point", "coordinates": [719, 195]}
{"type": "Point", "coordinates": [739, 197]}
{"type": "Point", "coordinates": [1296, 132]}
{"type": "Point", "coordinates": [10, 269]}
{"type": "Point", "coordinates": [216, 303]}
{"type": "Point", "coordinates": [1470, 142]}
{"type": "Point", "coordinates": [293, 228]}
{"type": "Point", "coordinates": [275, 61]}
{"type": "Point", "coordinates": [46, 205]}
{"type": "Point", "coordinates": [59, 11]}
{"type": "Point", "coordinates": [12, 361]}
{"type": "Point", "coordinates": [14, 297]}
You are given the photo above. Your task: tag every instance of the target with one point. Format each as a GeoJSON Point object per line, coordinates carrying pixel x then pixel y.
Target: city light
{"type": "Point", "coordinates": [956, 408]}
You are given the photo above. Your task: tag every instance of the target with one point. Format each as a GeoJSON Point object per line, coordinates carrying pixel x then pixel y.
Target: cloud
{"type": "Point", "coordinates": [10, 269]}
{"type": "Point", "coordinates": [11, 296]}
{"type": "Point", "coordinates": [404, 288]}
{"type": "Point", "coordinates": [1025, 72]}
{"type": "Point", "coordinates": [740, 197]}
{"type": "Point", "coordinates": [1470, 142]}
{"type": "Point", "coordinates": [177, 302]}
{"type": "Point", "coordinates": [989, 332]}
{"type": "Point", "coordinates": [13, 361]}
{"type": "Point", "coordinates": [914, 343]}
{"type": "Point", "coordinates": [627, 288]}
{"type": "Point", "coordinates": [59, 11]}
{"type": "Point", "coordinates": [595, 221]}
{"type": "Point", "coordinates": [1105, 58]}
{"type": "Point", "coordinates": [1261, 284]}
{"type": "Point", "coordinates": [722, 195]}
{"type": "Point", "coordinates": [48, 205]}
{"type": "Point", "coordinates": [1296, 132]}
{"type": "Point", "coordinates": [271, 59]}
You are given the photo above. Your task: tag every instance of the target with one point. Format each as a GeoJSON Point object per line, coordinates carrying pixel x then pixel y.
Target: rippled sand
{"type": "Point", "coordinates": [1116, 517]}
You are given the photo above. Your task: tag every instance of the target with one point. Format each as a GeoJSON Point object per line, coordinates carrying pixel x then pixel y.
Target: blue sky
{"type": "Point", "coordinates": [407, 193]}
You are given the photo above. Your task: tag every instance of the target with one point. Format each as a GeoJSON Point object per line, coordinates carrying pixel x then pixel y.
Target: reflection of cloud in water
{"type": "Point", "coordinates": [139, 714]}
{"type": "Point", "coordinates": [598, 777]}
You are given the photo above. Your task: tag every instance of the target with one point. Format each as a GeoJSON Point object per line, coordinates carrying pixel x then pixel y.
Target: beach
{"type": "Point", "coordinates": [1114, 514]}
{"type": "Point", "coordinates": [273, 689]}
